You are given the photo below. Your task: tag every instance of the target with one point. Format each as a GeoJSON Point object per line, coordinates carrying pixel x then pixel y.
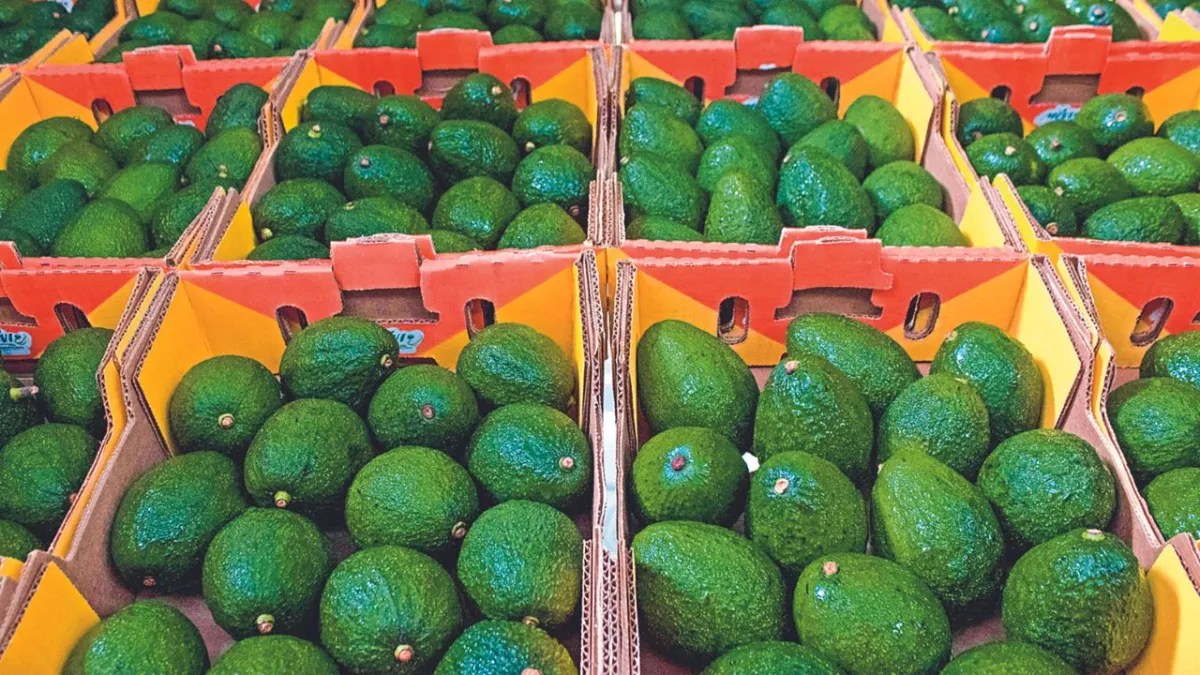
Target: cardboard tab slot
{"type": "Point", "coordinates": [848, 301]}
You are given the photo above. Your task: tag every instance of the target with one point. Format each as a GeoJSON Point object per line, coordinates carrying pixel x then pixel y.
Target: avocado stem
{"type": "Point", "coordinates": [781, 486]}
{"type": "Point", "coordinates": [427, 411]}
{"type": "Point", "coordinates": [265, 233]}
{"type": "Point", "coordinates": [678, 462]}
{"type": "Point", "coordinates": [567, 463]}
{"type": "Point", "coordinates": [149, 582]}
{"type": "Point", "coordinates": [225, 421]}
{"type": "Point", "coordinates": [829, 568]}
{"type": "Point", "coordinates": [1010, 150]}
{"type": "Point", "coordinates": [282, 499]}
{"type": "Point", "coordinates": [531, 671]}
{"type": "Point", "coordinates": [265, 623]}
{"type": "Point", "coordinates": [405, 653]}
{"type": "Point", "coordinates": [530, 621]}
{"type": "Point", "coordinates": [386, 361]}
{"type": "Point", "coordinates": [18, 393]}
{"type": "Point", "coordinates": [1093, 535]}
{"type": "Point", "coordinates": [459, 530]}
{"type": "Point", "coordinates": [790, 367]}
{"type": "Point", "coordinates": [364, 162]}
{"type": "Point", "coordinates": [384, 120]}
{"type": "Point", "coordinates": [315, 131]}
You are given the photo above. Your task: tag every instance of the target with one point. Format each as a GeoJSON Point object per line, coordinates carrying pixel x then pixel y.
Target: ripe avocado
{"type": "Point", "coordinates": [66, 378]}
{"type": "Point", "coordinates": [802, 507]}
{"type": "Point", "coordinates": [175, 144]}
{"type": "Point", "coordinates": [105, 228]}
{"type": "Point", "coordinates": [1189, 206]}
{"type": "Point", "coordinates": [522, 561]}
{"type": "Point", "coordinates": [555, 122]}
{"type": "Point", "coordinates": [725, 117]}
{"type": "Point", "coordinates": [1157, 422]}
{"type": "Point", "coordinates": [168, 516]}
{"type": "Point", "coordinates": [40, 468]}
{"type": "Point", "coordinates": [403, 122]}
{"type": "Point", "coordinates": [82, 162]}
{"type": "Point", "coordinates": [689, 378]}
{"type": "Point", "coordinates": [119, 134]}
{"type": "Point", "coordinates": [389, 609]}
{"type": "Point", "coordinates": [920, 225]}
{"type": "Point", "coordinates": [1176, 356]}
{"type": "Point", "coordinates": [742, 211]}
{"type": "Point", "coordinates": [145, 187]}
{"type": "Point", "coordinates": [875, 362]}
{"type": "Point", "coordinates": [794, 105]}
{"type": "Point", "coordinates": [1007, 658]}
{"type": "Point", "coordinates": [655, 130]}
{"type": "Point", "coordinates": [704, 589]}
{"type": "Point", "coordinates": [18, 408]}
{"type": "Point", "coordinates": [230, 44]}
{"type": "Point", "coordinates": [901, 184]}
{"type": "Point", "coordinates": [938, 25]}
{"type": "Point", "coordinates": [40, 140]}
{"type": "Point", "coordinates": [384, 171]}
{"type": "Point", "coordinates": [736, 153]}
{"type": "Point", "coordinates": [505, 646]}
{"type": "Point", "coordinates": [1174, 501]}
{"type": "Point", "coordinates": [479, 208]}
{"type": "Point", "coordinates": [339, 104]}
{"type": "Point", "coordinates": [16, 542]}
{"type": "Point", "coordinates": [445, 241]}
{"type": "Point", "coordinates": [1054, 213]}
{"type": "Point", "coordinates": [43, 212]}
{"type": "Point", "coordinates": [842, 140]}
{"type": "Point", "coordinates": [411, 496]}
{"type": "Point", "coordinates": [941, 416]}
{"type": "Point", "coordinates": [575, 21]}
{"type": "Point", "coordinates": [986, 116]}
{"type": "Point", "coordinates": [341, 358]}
{"type": "Point", "coordinates": [373, 215]}
{"type": "Point", "coordinates": [815, 188]}
{"type": "Point", "coordinates": [147, 636]}
{"type": "Point", "coordinates": [315, 150]}
{"type": "Point", "coordinates": [515, 34]}
{"type": "Point", "coordinates": [509, 363]}
{"type": "Point", "coordinates": [1097, 618]}
{"type": "Point", "coordinates": [424, 405]}
{"type": "Point", "coordinates": [263, 573]}
{"type": "Point", "coordinates": [11, 189]}
{"type": "Point", "coordinates": [657, 228]}
{"type": "Point", "coordinates": [661, 24]}
{"type": "Point", "coordinates": [529, 13]}
{"type": "Point", "coordinates": [688, 473]}
{"type": "Point", "coordinates": [888, 135]}
{"type": "Point", "coordinates": [770, 658]}
{"type": "Point", "coordinates": [461, 149]}
{"type": "Point", "coordinates": [847, 22]}
{"type": "Point", "coordinates": [1006, 154]}
{"type": "Point", "coordinates": [870, 615]}
{"type": "Point", "coordinates": [542, 225]}
{"type": "Point", "coordinates": [289, 247]}
{"type": "Point", "coordinates": [1088, 184]}
{"type": "Point", "coordinates": [221, 403]}
{"type": "Point", "coordinates": [680, 102]}
{"type": "Point", "coordinates": [556, 174]}
{"type": "Point", "coordinates": [298, 206]}
{"type": "Point", "coordinates": [1157, 167]}
{"type": "Point", "coordinates": [1045, 482]}
{"type": "Point", "coordinates": [653, 187]}
{"type": "Point", "coordinates": [178, 212]}
{"type": "Point", "coordinates": [480, 96]}
{"type": "Point", "coordinates": [1057, 142]}
{"type": "Point", "coordinates": [1183, 129]}
{"type": "Point", "coordinates": [1115, 119]}
{"type": "Point", "coordinates": [1001, 370]}
{"type": "Point", "coordinates": [1147, 219]}
{"type": "Point", "coordinates": [160, 28]}
{"type": "Point", "coordinates": [266, 653]}
{"type": "Point", "coordinates": [226, 159]}
{"type": "Point", "coordinates": [238, 108]}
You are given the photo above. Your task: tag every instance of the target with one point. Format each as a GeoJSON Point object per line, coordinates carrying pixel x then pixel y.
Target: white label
{"type": "Point", "coordinates": [408, 340]}
{"type": "Point", "coordinates": [15, 344]}
{"type": "Point", "coordinates": [1063, 112]}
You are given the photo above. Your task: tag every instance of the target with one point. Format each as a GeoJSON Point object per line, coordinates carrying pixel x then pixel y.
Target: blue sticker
{"type": "Point", "coordinates": [408, 340]}
{"type": "Point", "coordinates": [1063, 112]}
{"type": "Point", "coordinates": [15, 344]}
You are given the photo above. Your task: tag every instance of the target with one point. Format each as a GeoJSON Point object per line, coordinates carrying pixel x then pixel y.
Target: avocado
{"type": "Point", "coordinates": [1157, 422]}
{"type": "Point", "coordinates": [661, 24]}
{"type": "Point", "coordinates": [40, 140]}
{"type": "Point", "coordinates": [655, 130]}
{"type": "Point", "coordinates": [574, 21]}
{"type": "Point", "coordinates": [199, 35]}
{"type": "Point", "coordinates": [666, 95]}
{"type": "Point", "coordinates": [847, 22]}
{"type": "Point", "coordinates": [230, 44]}
{"type": "Point", "coordinates": [1006, 154]}
{"type": "Point", "coordinates": [175, 144]}
{"type": "Point", "coordinates": [190, 9]}
{"type": "Point", "coordinates": [1176, 356]}
{"type": "Point", "coordinates": [726, 117]}
{"type": "Point", "coordinates": [742, 211]}
{"type": "Point", "coordinates": [794, 105]}
{"type": "Point", "coordinates": [11, 189]}
{"type": "Point", "coordinates": [843, 141]}
{"type": "Point", "coordinates": [770, 658]}
{"type": "Point", "coordinates": [404, 122]}
{"type": "Point", "coordinates": [703, 589]}
{"type": "Point", "coordinates": [654, 187]}
{"type": "Point", "coordinates": [270, 28]}
{"type": "Point", "coordinates": [870, 615]}
{"type": "Point", "coordinates": [221, 403]}
{"type": "Point", "coordinates": [1001, 370]}
{"type": "Point", "coordinates": [66, 378]}
{"type": "Point", "coordinates": [899, 184]}
{"type": "Point", "coordinates": [404, 15]}
{"type": "Point", "coordinates": [1189, 206]}
{"type": "Point", "coordinates": [801, 507]}
{"type": "Point", "coordinates": [1182, 129]}
{"type": "Point", "coordinates": [147, 636]}
{"type": "Point", "coordinates": [238, 108]}
{"type": "Point", "coordinates": [168, 516]}
{"type": "Point", "coordinates": [450, 19]}
{"type": "Point", "coordinates": [178, 212]}
{"type": "Point", "coordinates": [731, 154]}
{"type": "Point", "coordinates": [341, 358]}
{"type": "Point", "coordinates": [227, 159]}
{"type": "Point", "coordinates": [688, 473]}
{"type": "Point", "coordinates": [938, 25]}
{"type": "Point", "coordinates": [555, 122]}
{"type": "Point", "coordinates": [941, 416]}
{"type": "Point", "coordinates": [445, 241]}
{"type": "Point", "coordinates": [793, 13]}
{"type": "Point", "coordinates": [1105, 13]}
{"type": "Point", "coordinates": [305, 456]}
{"type": "Point", "coordinates": [509, 363]}
{"type": "Point", "coordinates": [266, 653]}
{"type": "Point", "coordinates": [379, 35]}
{"type": "Point", "coordinates": [16, 542]}
{"type": "Point", "coordinates": [463, 149]}
{"type": "Point", "coordinates": [1088, 184]}
{"type": "Point", "coordinates": [389, 609]}
{"type": "Point", "coordinates": [120, 134]}
{"type": "Point", "coordinates": [384, 171]}
{"type": "Point", "coordinates": [145, 187]}
{"type": "Point", "coordinates": [424, 405]}
{"type": "Point", "coordinates": [1115, 119]}
{"type": "Point", "coordinates": [18, 409]}
{"type": "Point", "coordinates": [482, 97]}
{"type": "Point", "coordinates": [105, 228]}
{"type": "Point", "coordinates": [229, 13]}
{"type": "Point", "coordinates": [1057, 142]}
{"type": "Point", "coordinates": [263, 573]}
{"type": "Point", "coordinates": [920, 225]}
{"type": "Point", "coordinates": [687, 378]}
{"type": "Point", "coordinates": [43, 212]}
{"type": "Point", "coordinates": [84, 163]}
{"type": "Point", "coordinates": [542, 225]}
{"type": "Point", "coordinates": [815, 188]}
{"type": "Point", "coordinates": [40, 469]}
{"type": "Point", "coordinates": [478, 207]}
{"type": "Point", "coordinates": [980, 15]}
{"type": "Point", "coordinates": [515, 34]}
{"type": "Point", "coordinates": [556, 174]}
{"type": "Point", "coordinates": [657, 228]}
{"type": "Point", "coordinates": [522, 561]}
{"type": "Point", "coordinates": [1007, 658]}
{"type": "Point", "coordinates": [531, 451]}
{"type": "Point", "coordinates": [704, 16]}
{"type": "Point", "coordinates": [504, 647]}
{"type": "Point", "coordinates": [1097, 618]}
{"type": "Point", "coordinates": [160, 28]}
{"type": "Point", "coordinates": [1044, 483]}
{"type": "Point", "coordinates": [25, 244]}
{"type": "Point", "coordinates": [986, 116]}
{"type": "Point", "coordinates": [299, 206]}
{"type": "Point", "coordinates": [1156, 167]}
{"type": "Point", "coordinates": [1039, 22]}
{"type": "Point", "coordinates": [289, 247]}
{"type": "Point", "coordinates": [1174, 501]}
{"type": "Point", "coordinates": [1145, 219]}
{"type": "Point", "coordinates": [316, 150]}
{"type": "Point", "coordinates": [1054, 213]}
{"type": "Point", "coordinates": [888, 135]}
{"type": "Point", "coordinates": [339, 104]}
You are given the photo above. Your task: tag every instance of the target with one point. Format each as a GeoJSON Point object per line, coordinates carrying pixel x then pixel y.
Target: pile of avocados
{"type": "Point", "coordinates": [1107, 174]}
{"type": "Point", "coordinates": [49, 434]}
{"type": "Point", "coordinates": [719, 19]}
{"type": "Point", "coordinates": [1008, 21]}
{"type": "Point", "coordinates": [477, 174]}
{"type": "Point", "coordinates": [231, 29]}
{"type": "Point", "coordinates": [737, 173]}
{"type": "Point", "coordinates": [359, 515]}
{"type": "Point", "coordinates": [130, 188]}
{"type": "Point", "coordinates": [1157, 422]}
{"type": "Point", "coordinates": [397, 23]}
{"type": "Point", "coordinates": [965, 506]}
{"type": "Point", "coordinates": [26, 26]}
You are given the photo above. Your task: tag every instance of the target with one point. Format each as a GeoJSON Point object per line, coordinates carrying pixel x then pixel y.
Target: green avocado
{"type": "Point", "coordinates": [16, 542]}
{"type": "Point", "coordinates": [479, 207]}
{"type": "Point", "coordinates": [384, 171]}
{"type": "Point", "coordinates": [424, 405]}
{"type": "Point", "coordinates": [1174, 501]}
{"type": "Point", "coordinates": [505, 646]}
{"type": "Point", "coordinates": [680, 102]}
{"type": "Point", "coordinates": [815, 188]}
{"type": "Point", "coordinates": [265, 653]}
{"type": "Point", "coordinates": [1144, 219]}
{"type": "Point", "coordinates": [1176, 356]}
{"type": "Point", "coordinates": [480, 96]}
{"type": "Point", "coordinates": [403, 122]}
{"type": "Point", "coordinates": [316, 150]}
{"type": "Point", "coordinates": [654, 187]}
{"type": "Point", "coordinates": [147, 636]}
{"type": "Point", "coordinates": [651, 129]}
{"type": "Point", "coordinates": [120, 134]}
{"type": "Point", "coordinates": [299, 206]}
{"type": "Point", "coordinates": [66, 379]}
{"type": "Point", "coordinates": [1007, 658]}
{"type": "Point", "coordinates": [238, 108]}
{"type": "Point", "coordinates": [770, 658]}
{"type": "Point", "coordinates": [1057, 142]}
{"type": "Point", "coordinates": [555, 122]}
{"type": "Point", "coordinates": [843, 141]}
{"type": "Point", "coordinates": [941, 416]}
{"type": "Point", "coordinates": [556, 174]}
{"type": "Point", "coordinates": [794, 105]}
{"type": "Point", "coordinates": [1157, 422]}
{"type": "Point", "coordinates": [726, 117]}
{"type": "Point", "coordinates": [688, 473]}
{"type": "Point", "coordinates": [986, 116]}
{"type": "Point", "coordinates": [509, 363]}
{"type": "Point", "coordinates": [341, 358]}
{"type": "Point", "coordinates": [41, 468]}
{"type": "Point", "coordinates": [542, 225]}
{"type": "Point", "coordinates": [887, 133]}
{"type": "Point", "coordinates": [40, 140]}
{"type": "Point", "coordinates": [221, 403]}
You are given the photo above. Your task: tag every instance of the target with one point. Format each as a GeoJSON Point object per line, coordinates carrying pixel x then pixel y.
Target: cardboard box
{"type": "Point", "coordinates": [1050, 82]}
{"type": "Point", "coordinates": [1180, 26]}
{"type": "Point", "coordinates": [1140, 11]}
{"type": "Point", "coordinates": [877, 11]}
{"type": "Point", "coordinates": [567, 71]}
{"type": "Point", "coordinates": [738, 70]}
{"type": "Point", "coordinates": [433, 306]}
{"type": "Point", "coordinates": [915, 296]}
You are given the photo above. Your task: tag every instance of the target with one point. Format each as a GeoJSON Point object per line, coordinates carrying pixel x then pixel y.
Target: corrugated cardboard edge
{"type": "Point", "coordinates": [592, 634]}
{"type": "Point", "coordinates": [628, 656]}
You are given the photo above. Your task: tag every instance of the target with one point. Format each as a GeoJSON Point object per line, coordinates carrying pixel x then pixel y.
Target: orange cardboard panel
{"type": "Point", "coordinates": [431, 306]}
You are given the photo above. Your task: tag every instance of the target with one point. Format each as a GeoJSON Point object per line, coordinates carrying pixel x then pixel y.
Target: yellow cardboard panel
{"type": "Point", "coordinates": [57, 616]}
{"type": "Point", "coordinates": [566, 86]}
{"type": "Point", "coordinates": [238, 240]}
{"type": "Point", "coordinates": [19, 110]}
{"type": "Point", "coordinates": [1177, 29]}
{"type": "Point", "coordinates": [979, 222]}
{"type": "Point", "coordinates": [10, 568]}
{"type": "Point", "coordinates": [108, 313]}
{"type": "Point", "coordinates": [1118, 318]}
{"type": "Point", "coordinates": [1038, 326]}
{"type": "Point", "coordinates": [311, 76]}
{"type": "Point", "coordinates": [914, 103]}
{"type": "Point", "coordinates": [1172, 647]}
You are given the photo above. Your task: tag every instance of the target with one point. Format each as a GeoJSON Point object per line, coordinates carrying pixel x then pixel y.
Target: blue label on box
{"type": "Point", "coordinates": [1062, 112]}
{"type": "Point", "coordinates": [15, 344]}
{"type": "Point", "coordinates": [409, 340]}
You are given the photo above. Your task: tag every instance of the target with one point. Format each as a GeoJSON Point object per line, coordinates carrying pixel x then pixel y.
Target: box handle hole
{"type": "Point", "coordinates": [1151, 321]}
{"type": "Point", "coordinates": [922, 315]}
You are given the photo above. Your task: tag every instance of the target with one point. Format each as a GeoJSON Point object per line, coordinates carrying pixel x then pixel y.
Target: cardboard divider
{"type": "Point", "coordinates": [738, 70]}
{"type": "Point", "coordinates": [883, 287]}
{"type": "Point", "coordinates": [1142, 13]}
{"type": "Point", "coordinates": [194, 314]}
{"type": "Point", "coordinates": [540, 71]}
{"type": "Point", "coordinates": [1181, 26]}
{"type": "Point", "coordinates": [877, 11]}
